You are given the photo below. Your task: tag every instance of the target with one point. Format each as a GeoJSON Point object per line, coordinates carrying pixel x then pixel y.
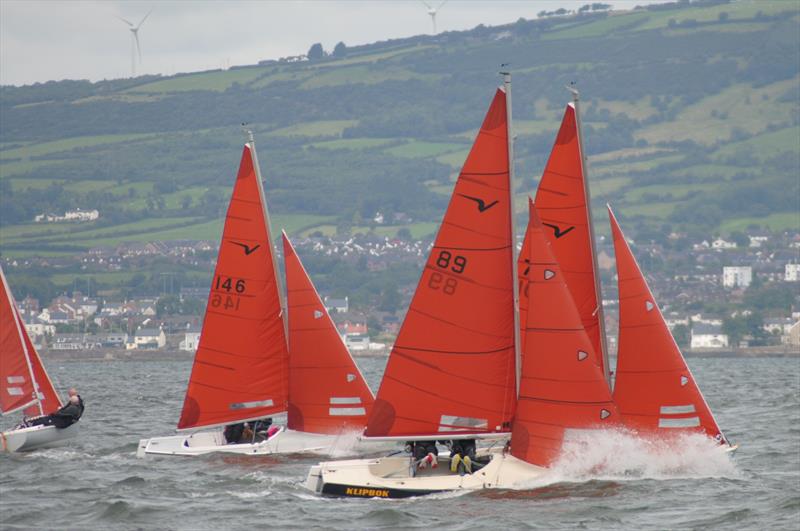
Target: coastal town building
{"type": "Point", "coordinates": [737, 276]}
{"type": "Point", "coordinates": [191, 340]}
{"type": "Point", "coordinates": [708, 336]}
{"type": "Point", "coordinates": [791, 273]}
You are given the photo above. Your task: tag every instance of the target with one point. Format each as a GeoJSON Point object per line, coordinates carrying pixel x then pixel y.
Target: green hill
{"type": "Point", "coordinates": [691, 114]}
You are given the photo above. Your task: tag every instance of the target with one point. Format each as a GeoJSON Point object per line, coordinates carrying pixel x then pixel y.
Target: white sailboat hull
{"type": "Point", "coordinates": [36, 437]}
{"type": "Point", "coordinates": [284, 441]}
{"type": "Point", "coordinates": [391, 477]}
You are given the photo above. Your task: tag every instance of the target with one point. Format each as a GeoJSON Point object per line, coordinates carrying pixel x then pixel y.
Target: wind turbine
{"type": "Point", "coordinates": [135, 48]}
{"type": "Point", "coordinates": [432, 12]}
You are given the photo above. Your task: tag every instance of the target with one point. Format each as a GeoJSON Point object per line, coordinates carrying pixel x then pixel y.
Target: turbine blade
{"type": "Point", "coordinates": [441, 5]}
{"type": "Point", "coordinates": [128, 22]}
{"type": "Point", "coordinates": [138, 49]}
{"type": "Point", "coordinates": [426, 4]}
{"type": "Point", "coordinates": [145, 18]}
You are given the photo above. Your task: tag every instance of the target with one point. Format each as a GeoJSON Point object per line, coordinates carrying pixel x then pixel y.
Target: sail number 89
{"type": "Point", "coordinates": [446, 259]}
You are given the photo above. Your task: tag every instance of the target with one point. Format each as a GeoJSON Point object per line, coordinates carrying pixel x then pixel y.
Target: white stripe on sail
{"type": "Point", "coordinates": [255, 403]}
{"type": "Point", "coordinates": [346, 411]}
{"type": "Point", "coordinates": [451, 423]}
{"type": "Point", "coordinates": [345, 400]}
{"type": "Point", "coordinates": [15, 391]}
{"type": "Point", "coordinates": [677, 410]}
{"type": "Point", "coordinates": [15, 379]}
{"type": "Point", "coordinates": [691, 422]}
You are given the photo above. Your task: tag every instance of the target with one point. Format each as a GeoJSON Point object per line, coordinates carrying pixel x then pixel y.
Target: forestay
{"type": "Point", "coordinates": [451, 370]}
{"type": "Point", "coordinates": [240, 369]}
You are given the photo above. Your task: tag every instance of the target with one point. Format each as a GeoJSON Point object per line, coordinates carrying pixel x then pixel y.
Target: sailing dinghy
{"type": "Point", "coordinates": [24, 384]}
{"type": "Point", "coordinates": [242, 370]}
{"type": "Point", "coordinates": [654, 390]}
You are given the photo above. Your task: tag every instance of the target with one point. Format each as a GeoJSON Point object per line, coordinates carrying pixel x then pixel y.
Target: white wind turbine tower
{"type": "Point", "coordinates": [135, 48]}
{"type": "Point", "coordinates": [432, 12]}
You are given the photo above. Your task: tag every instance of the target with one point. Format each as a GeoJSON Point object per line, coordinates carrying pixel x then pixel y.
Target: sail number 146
{"type": "Point", "coordinates": [233, 287]}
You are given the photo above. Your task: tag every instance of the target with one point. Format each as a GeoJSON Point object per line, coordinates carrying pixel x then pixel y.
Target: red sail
{"type": "Point", "coordinates": [240, 369]}
{"type": "Point", "coordinates": [16, 382]}
{"type": "Point", "coordinates": [327, 393]}
{"type": "Point", "coordinates": [48, 397]}
{"type": "Point", "coordinates": [562, 205]}
{"type": "Point", "coordinates": [523, 267]}
{"type": "Point", "coordinates": [654, 389]}
{"type": "Point", "coordinates": [451, 369]}
{"type": "Point", "coordinates": [562, 387]}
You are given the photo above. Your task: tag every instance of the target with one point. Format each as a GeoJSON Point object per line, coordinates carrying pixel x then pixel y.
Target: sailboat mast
{"type": "Point", "coordinates": [584, 166]}
{"type": "Point", "coordinates": [252, 144]}
{"type": "Point", "coordinates": [510, 134]}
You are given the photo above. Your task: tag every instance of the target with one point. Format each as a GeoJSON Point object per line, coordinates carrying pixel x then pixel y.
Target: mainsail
{"type": "Point", "coordinates": [240, 369]}
{"type": "Point", "coordinates": [654, 389]}
{"type": "Point", "coordinates": [563, 206]}
{"type": "Point", "coordinates": [327, 393]}
{"type": "Point", "coordinates": [24, 384]}
{"type": "Point", "coordinates": [452, 370]}
{"type": "Point", "coordinates": [562, 386]}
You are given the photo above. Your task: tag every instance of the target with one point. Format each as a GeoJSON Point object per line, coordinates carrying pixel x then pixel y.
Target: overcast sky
{"type": "Point", "coordinates": [45, 40]}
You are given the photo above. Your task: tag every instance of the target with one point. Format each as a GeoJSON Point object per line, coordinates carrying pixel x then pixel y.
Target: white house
{"type": "Point", "coordinates": [719, 243]}
{"type": "Point", "coordinates": [338, 305]}
{"type": "Point", "coordinates": [737, 276]}
{"type": "Point", "coordinates": [708, 336]}
{"type": "Point", "coordinates": [149, 338]}
{"type": "Point", "coordinates": [778, 325]}
{"type": "Point", "coordinates": [792, 273]}
{"type": "Point", "coordinates": [357, 342]}
{"type": "Point", "coordinates": [190, 341]}
{"type": "Point", "coordinates": [36, 327]}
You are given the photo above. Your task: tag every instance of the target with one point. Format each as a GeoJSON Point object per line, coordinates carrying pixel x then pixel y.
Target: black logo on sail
{"type": "Point", "coordinates": [482, 206]}
{"type": "Point", "coordinates": [557, 230]}
{"type": "Point", "coordinates": [247, 249]}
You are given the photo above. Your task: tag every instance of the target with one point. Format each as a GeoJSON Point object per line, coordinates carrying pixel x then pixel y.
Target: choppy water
{"type": "Point", "coordinates": [98, 483]}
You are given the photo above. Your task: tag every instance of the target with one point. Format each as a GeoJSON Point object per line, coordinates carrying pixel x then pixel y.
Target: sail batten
{"type": "Point", "coordinates": [327, 392]}
{"type": "Point", "coordinates": [654, 390]}
{"type": "Point", "coordinates": [240, 369]}
{"type": "Point", "coordinates": [454, 355]}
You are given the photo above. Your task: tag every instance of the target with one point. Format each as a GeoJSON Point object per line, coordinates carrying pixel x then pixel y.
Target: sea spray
{"type": "Point", "coordinates": [621, 454]}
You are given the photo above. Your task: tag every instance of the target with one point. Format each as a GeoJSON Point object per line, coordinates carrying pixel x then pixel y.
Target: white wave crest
{"type": "Point", "coordinates": [620, 454]}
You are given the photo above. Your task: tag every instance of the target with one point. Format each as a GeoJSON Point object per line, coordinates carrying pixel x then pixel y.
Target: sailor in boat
{"type": "Point", "coordinates": [65, 416]}
{"type": "Point", "coordinates": [462, 455]}
{"type": "Point", "coordinates": [424, 453]}
{"type": "Point", "coordinates": [250, 432]}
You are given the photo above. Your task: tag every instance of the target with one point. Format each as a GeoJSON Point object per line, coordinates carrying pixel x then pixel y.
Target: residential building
{"type": "Point", "coordinates": [357, 343]}
{"type": "Point", "coordinates": [112, 339]}
{"type": "Point", "coordinates": [337, 305]}
{"type": "Point", "coordinates": [708, 336]}
{"type": "Point", "coordinates": [737, 276]}
{"type": "Point", "coordinates": [719, 243]}
{"type": "Point", "coordinates": [792, 273]}
{"type": "Point", "coordinates": [151, 338]}
{"type": "Point", "coordinates": [778, 325]}
{"type": "Point", "coordinates": [191, 340]}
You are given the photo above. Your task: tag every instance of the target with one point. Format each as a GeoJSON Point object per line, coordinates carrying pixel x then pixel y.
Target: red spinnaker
{"type": "Point", "coordinates": [327, 393]}
{"type": "Point", "coordinates": [562, 387]}
{"type": "Point", "coordinates": [654, 389]}
{"type": "Point", "coordinates": [563, 207]}
{"type": "Point", "coordinates": [241, 366]}
{"type": "Point", "coordinates": [451, 369]}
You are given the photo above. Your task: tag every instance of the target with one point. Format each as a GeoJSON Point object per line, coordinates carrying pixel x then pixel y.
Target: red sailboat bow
{"type": "Point", "coordinates": [563, 205]}
{"type": "Point", "coordinates": [654, 389]}
{"type": "Point", "coordinates": [240, 369]}
{"type": "Point", "coordinates": [327, 393]}
{"type": "Point", "coordinates": [452, 368]}
{"type": "Point", "coordinates": [24, 383]}
{"type": "Point", "coordinates": [562, 386]}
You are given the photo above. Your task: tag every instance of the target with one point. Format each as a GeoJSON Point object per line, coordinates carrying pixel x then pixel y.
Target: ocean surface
{"type": "Point", "coordinates": [98, 483]}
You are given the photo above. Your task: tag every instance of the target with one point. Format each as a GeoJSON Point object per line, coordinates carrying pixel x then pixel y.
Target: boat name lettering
{"type": "Point", "coordinates": [367, 493]}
